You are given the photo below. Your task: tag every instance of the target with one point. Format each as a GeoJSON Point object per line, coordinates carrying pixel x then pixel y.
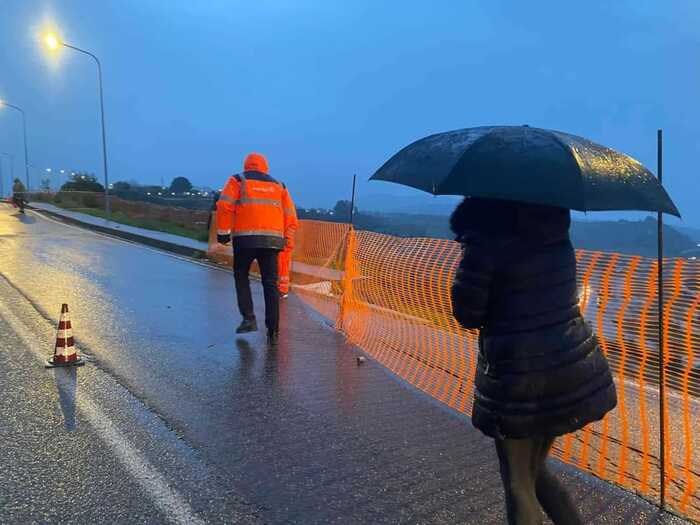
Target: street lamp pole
{"type": "Point", "coordinates": [10, 158]}
{"type": "Point", "coordinates": [53, 43]}
{"type": "Point", "coordinates": [2, 178]}
{"type": "Point", "coordinates": [24, 130]}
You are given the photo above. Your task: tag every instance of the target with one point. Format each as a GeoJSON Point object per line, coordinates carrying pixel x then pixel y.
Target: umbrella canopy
{"type": "Point", "coordinates": [525, 164]}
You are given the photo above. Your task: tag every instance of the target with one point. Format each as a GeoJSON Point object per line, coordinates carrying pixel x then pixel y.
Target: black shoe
{"type": "Point", "coordinates": [273, 337]}
{"type": "Point", "coordinates": [248, 325]}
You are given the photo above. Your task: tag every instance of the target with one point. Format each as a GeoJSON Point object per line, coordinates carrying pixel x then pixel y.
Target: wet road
{"type": "Point", "coordinates": [175, 419]}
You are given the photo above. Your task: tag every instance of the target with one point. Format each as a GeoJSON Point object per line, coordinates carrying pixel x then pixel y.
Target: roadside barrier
{"type": "Point", "coordinates": [194, 220]}
{"type": "Point", "coordinates": [390, 296]}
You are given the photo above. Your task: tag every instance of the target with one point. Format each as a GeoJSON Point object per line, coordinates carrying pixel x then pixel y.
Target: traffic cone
{"type": "Point", "coordinates": [64, 353]}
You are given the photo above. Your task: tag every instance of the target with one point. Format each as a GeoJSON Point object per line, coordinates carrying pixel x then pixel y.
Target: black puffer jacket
{"type": "Point", "coordinates": [540, 370]}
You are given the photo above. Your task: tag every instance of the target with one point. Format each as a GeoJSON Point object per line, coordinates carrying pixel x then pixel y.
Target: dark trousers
{"type": "Point", "coordinates": [529, 485]}
{"type": "Point", "coordinates": [267, 261]}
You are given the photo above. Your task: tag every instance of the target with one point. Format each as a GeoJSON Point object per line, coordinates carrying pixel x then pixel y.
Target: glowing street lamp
{"type": "Point", "coordinates": [4, 104]}
{"type": "Point", "coordinates": [53, 42]}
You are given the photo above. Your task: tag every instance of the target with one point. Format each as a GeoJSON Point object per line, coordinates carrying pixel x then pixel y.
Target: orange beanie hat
{"type": "Point", "coordinates": [255, 162]}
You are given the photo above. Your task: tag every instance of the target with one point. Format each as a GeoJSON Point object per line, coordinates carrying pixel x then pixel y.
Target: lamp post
{"type": "Point", "coordinates": [11, 159]}
{"type": "Point", "coordinates": [24, 131]}
{"type": "Point", "coordinates": [53, 42]}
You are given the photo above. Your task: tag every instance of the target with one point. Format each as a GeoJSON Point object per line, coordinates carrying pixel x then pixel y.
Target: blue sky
{"type": "Point", "coordinates": [327, 89]}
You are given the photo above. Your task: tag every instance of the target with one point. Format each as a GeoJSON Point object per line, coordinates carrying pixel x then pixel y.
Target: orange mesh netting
{"type": "Point", "coordinates": [391, 297]}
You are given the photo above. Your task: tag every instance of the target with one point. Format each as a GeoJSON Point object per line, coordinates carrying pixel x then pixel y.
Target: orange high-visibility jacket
{"type": "Point", "coordinates": [257, 211]}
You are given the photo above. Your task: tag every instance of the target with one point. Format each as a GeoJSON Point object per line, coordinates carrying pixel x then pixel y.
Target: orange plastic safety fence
{"type": "Point", "coordinates": [317, 267]}
{"type": "Point", "coordinates": [391, 297]}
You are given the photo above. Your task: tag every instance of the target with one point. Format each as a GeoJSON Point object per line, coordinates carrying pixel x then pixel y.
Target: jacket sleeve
{"type": "Point", "coordinates": [470, 288]}
{"type": "Point", "coordinates": [290, 219]}
{"type": "Point", "coordinates": [226, 206]}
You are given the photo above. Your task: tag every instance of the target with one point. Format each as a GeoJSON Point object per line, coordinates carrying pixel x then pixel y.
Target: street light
{"type": "Point", "coordinates": [53, 42]}
{"type": "Point", "coordinates": [11, 158]}
{"type": "Point", "coordinates": [24, 130]}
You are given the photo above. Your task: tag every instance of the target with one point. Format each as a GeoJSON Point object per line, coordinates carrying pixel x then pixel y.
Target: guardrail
{"type": "Point", "coordinates": [90, 202]}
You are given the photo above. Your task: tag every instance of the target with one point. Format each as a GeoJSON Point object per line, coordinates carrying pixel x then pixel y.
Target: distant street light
{"type": "Point", "coordinates": [53, 42]}
{"type": "Point", "coordinates": [11, 158]}
{"type": "Point", "coordinates": [59, 173]}
{"type": "Point", "coordinates": [24, 130]}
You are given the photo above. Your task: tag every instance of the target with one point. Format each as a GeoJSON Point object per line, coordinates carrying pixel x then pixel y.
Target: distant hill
{"type": "Point", "coordinates": [630, 237]}
{"type": "Point", "coordinates": [693, 233]}
{"type": "Point", "coordinates": [418, 204]}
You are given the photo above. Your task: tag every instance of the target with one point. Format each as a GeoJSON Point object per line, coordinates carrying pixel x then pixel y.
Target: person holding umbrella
{"type": "Point", "coordinates": [541, 372]}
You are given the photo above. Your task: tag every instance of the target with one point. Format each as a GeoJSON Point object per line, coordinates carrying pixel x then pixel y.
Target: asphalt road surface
{"type": "Point", "coordinates": [174, 419]}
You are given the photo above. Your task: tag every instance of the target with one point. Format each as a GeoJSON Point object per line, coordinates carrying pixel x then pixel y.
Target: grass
{"type": "Point", "coordinates": [148, 224]}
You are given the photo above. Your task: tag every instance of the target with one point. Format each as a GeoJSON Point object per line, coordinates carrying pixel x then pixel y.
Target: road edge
{"type": "Point", "coordinates": [187, 251]}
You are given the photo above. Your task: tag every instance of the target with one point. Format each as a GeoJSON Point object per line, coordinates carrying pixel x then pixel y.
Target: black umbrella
{"type": "Point", "coordinates": [544, 167]}
{"type": "Point", "coordinates": [521, 163]}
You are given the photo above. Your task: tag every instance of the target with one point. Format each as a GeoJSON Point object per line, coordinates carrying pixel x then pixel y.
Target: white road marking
{"type": "Point", "coordinates": [164, 497]}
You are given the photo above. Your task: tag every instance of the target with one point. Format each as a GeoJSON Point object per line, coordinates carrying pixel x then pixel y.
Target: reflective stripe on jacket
{"type": "Point", "coordinates": [256, 210]}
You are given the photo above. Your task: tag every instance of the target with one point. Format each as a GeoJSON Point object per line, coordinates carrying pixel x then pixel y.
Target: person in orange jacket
{"type": "Point", "coordinates": [257, 214]}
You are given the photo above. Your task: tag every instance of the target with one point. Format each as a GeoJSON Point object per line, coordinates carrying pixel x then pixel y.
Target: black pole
{"type": "Point", "coordinates": [352, 200]}
{"type": "Point", "coordinates": [24, 133]}
{"type": "Point", "coordinates": [108, 210]}
{"type": "Point", "coordinates": [26, 155]}
{"type": "Point", "coordinates": [662, 335]}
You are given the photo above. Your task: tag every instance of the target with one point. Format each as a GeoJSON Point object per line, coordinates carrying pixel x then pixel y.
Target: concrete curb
{"type": "Point", "coordinates": [187, 251]}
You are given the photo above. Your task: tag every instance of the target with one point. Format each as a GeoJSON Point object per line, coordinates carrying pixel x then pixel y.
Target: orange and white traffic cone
{"type": "Point", "coordinates": [64, 353]}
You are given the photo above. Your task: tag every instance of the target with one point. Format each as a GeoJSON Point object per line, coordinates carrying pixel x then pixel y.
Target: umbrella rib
{"type": "Point", "coordinates": [569, 151]}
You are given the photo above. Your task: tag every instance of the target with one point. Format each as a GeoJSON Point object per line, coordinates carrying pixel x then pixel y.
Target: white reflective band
{"type": "Point", "coordinates": [243, 190]}
{"type": "Point", "coordinates": [223, 232]}
{"type": "Point", "coordinates": [228, 199]}
{"type": "Point", "coordinates": [288, 211]}
{"type": "Point", "coordinates": [268, 233]}
{"type": "Point", "coordinates": [266, 202]}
